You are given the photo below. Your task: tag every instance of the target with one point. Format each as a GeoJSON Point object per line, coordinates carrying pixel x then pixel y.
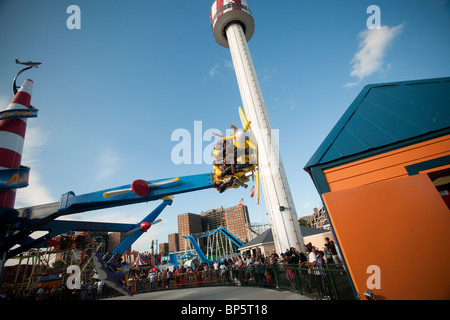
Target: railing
{"type": "Point", "coordinates": [328, 282]}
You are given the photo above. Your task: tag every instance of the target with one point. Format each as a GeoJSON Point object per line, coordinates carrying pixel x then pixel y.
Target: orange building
{"type": "Point", "coordinates": [383, 173]}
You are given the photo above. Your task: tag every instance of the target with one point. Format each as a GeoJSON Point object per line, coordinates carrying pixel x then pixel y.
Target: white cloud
{"type": "Point", "coordinates": [108, 162]}
{"type": "Point", "coordinates": [351, 84]}
{"type": "Point", "coordinates": [36, 193]}
{"type": "Point", "coordinates": [4, 101]}
{"type": "Point", "coordinates": [35, 139]}
{"type": "Point", "coordinates": [213, 71]}
{"type": "Point", "coordinates": [372, 50]}
{"type": "Point", "coordinates": [228, 64]}
{"type": "Point", "coordinates": [112, 215]}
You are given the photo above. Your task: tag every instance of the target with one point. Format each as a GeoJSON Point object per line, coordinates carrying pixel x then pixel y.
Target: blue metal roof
{"type": "Point", "coordinates": [384, 114]}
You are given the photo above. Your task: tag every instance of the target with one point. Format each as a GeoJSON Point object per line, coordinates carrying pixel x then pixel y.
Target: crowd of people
{"type": "Point", "coordinates": [261, 269]}
{"type": "Point", "coordinates": [91, 290]}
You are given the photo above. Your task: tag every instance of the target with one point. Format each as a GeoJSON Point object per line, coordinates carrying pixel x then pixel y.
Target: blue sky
{"type": "Point", "coordinates": [111, 94]}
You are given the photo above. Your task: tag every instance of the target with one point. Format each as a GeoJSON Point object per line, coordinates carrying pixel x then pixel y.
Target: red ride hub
{"type": "Point", "coordinates": [140, 188]}
{"type": "Point", "coordinates": [145, 226]}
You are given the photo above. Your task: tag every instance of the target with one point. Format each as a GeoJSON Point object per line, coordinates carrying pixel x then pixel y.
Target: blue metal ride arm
{"type": "Point", "coordinates": [25, 221]}
{"type": "Point", "coordinates": [70, 203]}
{"type": "Point", "coordinates": [57, 227]}
{"type": "Point", "coordinates": [131, 238]}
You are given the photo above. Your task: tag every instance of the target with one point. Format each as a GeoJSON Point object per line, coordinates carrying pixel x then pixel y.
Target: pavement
{"type": "Point", "coordinates": [216, 293]}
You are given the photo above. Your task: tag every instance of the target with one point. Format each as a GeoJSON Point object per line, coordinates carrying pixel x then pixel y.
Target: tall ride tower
{"type": "Point", "coordinates": [233, 26]}
{"type": "Point", "coordinates": [13, 125]}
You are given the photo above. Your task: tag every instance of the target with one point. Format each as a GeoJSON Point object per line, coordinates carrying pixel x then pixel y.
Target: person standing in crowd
{"type": "Point", "coordinates": [327, 252]}
{"type": "Point", "coordinates": [223, 271]}
{"type": "Point", "coordinates": [311, 262]}
{"type": "Point", "coordinates": [294, 255]}
{"type": "Point", "coordinates": [250, 268]}
{"type": "Point", "coordinates": [258, 266]}
{"type": "Point", "coordinates": [216, 269]}
{"type": "Point", "coordinates": [141, 280]}
{"type": "Point", "coordinates": [332, 248]}
{"type": "Point", "coordinates": [152, 278]}
{"type": "Point", "coordinates": [273, 261]}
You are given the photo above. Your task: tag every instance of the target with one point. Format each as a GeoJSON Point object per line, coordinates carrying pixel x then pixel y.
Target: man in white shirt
{"type": "Point", "coordinates": [223, 272]}
{"type": "Point", "coordinates": [216, 269]}
{"type": "Point", "coordinates": [311, 257]}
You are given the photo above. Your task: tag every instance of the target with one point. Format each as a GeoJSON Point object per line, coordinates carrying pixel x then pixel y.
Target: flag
{"type": "Point", "coordinates": [240, 203]}
{"type": "Point", "coordinates": [252, 191]}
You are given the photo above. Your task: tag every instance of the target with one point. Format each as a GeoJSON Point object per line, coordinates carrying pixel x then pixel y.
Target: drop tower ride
{"type": "Point", "coordinates": [233, 26]}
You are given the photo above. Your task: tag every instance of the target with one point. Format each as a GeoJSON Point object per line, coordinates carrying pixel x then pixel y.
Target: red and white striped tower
{"type": "Point", "coordinates": [12, 137]}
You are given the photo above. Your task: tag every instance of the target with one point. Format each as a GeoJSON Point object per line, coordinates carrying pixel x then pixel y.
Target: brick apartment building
{"type": "Point", "coordinates": [237, 222]}
{"type": "Point", "coordinates": [114, 239]}
{"type": "Point", "coordinates": [188, 223]}
{"type": "Point", "coordinates": [163, 249]}
{"type": "Point", "coordinates": [173, 242]}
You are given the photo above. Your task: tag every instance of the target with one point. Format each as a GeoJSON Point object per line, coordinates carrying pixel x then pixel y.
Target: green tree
{"type": "Point", "coordinates": [304, 222]}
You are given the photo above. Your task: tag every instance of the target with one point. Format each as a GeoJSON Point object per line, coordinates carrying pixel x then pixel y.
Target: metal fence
{"type": "Point", "coordinates": [329, 282]}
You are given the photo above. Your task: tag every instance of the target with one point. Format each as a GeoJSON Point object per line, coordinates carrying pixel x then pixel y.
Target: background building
{"type": "Point", "coordinates": [163, 249]}
{"type": "Point", "coordinates": [213, 219]}
{"type": "Point", "coordinates": [188, 223]}
{"type": "Point", "coordinates": [173, 242]}
{"type": "Point", "coordinates": [238, 222]}
{"type": "Point", "coordinates": [114, 238]}
{"type": "Point", "coordinates": [318, 219]}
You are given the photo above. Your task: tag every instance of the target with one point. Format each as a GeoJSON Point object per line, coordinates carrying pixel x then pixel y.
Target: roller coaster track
{"type": "Point", "coordinates": [224, 231]}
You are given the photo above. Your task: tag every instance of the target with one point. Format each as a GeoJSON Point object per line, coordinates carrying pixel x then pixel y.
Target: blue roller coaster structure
{"type": "Point", "coordinates": [228, 235]}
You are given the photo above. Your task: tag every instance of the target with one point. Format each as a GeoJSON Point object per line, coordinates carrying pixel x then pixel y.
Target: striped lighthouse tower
{"type": "Point", "coordinates": [13, 125]}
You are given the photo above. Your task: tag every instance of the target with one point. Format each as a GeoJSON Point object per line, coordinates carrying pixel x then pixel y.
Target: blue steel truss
{"type": "Point", "coordinates": [221, 230]}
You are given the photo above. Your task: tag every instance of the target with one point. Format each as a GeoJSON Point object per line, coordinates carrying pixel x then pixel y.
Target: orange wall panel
{"type": "Point", "coordinates": [387, 166]}
{"type": "Point", "coordinates": [397, 226]}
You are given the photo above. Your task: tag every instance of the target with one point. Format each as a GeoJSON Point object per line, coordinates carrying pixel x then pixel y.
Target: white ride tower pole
{"type": "Point", "coordinates": [233, 26]}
